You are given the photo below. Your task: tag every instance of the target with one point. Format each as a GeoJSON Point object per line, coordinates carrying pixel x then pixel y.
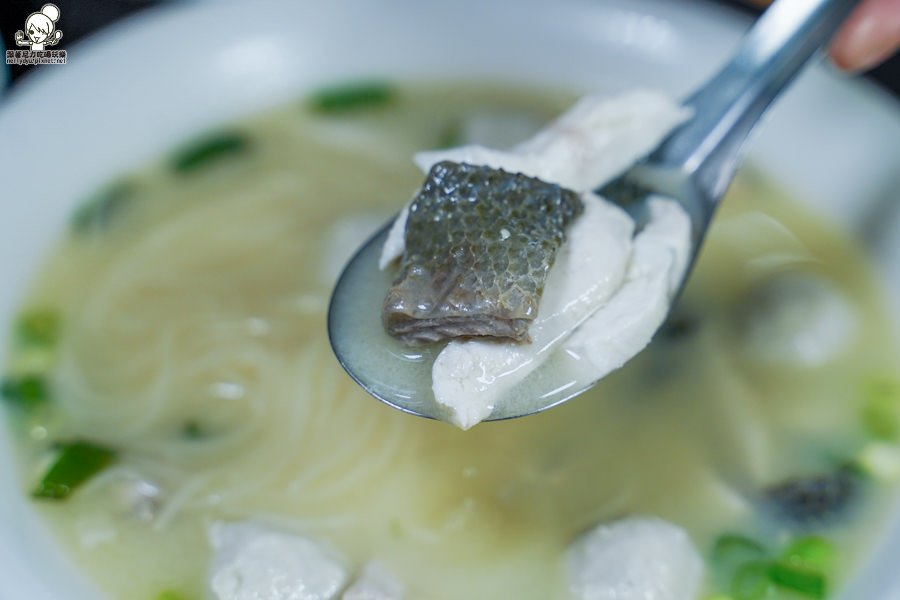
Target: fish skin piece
{"type": "Point", "coordinates": [479, 245]}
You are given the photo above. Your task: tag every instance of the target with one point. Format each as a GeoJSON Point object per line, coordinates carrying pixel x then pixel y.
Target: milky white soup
{"type": "Point", "coordinates": [171, 370]}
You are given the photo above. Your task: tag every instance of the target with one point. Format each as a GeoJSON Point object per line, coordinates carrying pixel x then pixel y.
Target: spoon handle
{"type": "Point", "coordinates": [776, 48]}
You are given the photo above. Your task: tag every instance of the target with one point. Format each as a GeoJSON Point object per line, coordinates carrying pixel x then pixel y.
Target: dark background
{"type": "Point", "coordinates": [80, 17]}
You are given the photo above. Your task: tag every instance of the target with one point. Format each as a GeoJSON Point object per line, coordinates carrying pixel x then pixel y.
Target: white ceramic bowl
{"type": "Point", "coordinates": [135, 90]}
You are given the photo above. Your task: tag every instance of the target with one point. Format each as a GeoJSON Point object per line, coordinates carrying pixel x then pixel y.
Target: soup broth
{"type": "Point", "coordinates": [186, 318]}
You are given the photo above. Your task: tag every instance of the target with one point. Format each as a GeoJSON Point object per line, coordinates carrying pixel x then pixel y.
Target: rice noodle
{"type": "Point", "coordinates": [166, 326]}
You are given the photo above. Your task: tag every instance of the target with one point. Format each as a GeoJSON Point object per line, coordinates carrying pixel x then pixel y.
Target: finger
{"type": "Point", "coordinates": [869, 36]}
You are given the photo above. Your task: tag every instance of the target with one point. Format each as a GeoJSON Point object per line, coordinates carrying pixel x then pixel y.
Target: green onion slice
{"type": "Point", "coordinates": [451, 135]}
{"type": "Point", "coordinates": [352, 96]}
{"type": "Point", "coordinates": [169, 595]}
{"type": "Point", "coordinates": [25, 392]}
{"type": "Point", "coordinates": [812, 551]}
{"type": "Point", "coordinates": [98, 212]}
{"type": "Point", "coordinates": [802, 580]}
{"type": "Point", "coordinates": [751, 581]}
{"type": "Point", "coordinates": [39, 326]}
{"type": "Point", "coordinates": [208, 150]}
{"type": "Point", "coordinates": [76, 463]}
{"type": "Point", "coordinates": [192, 431]}
{"type": "Point", "coordinates": [732, 547]}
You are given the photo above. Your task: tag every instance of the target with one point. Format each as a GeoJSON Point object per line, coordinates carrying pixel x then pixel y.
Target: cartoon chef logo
{"type": "Point", "coordinates": [40, 29]}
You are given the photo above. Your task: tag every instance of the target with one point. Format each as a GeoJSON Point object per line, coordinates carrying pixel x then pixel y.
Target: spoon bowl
{"type": "Point", "coordinates": [694, 165]}
{"type": "Point", "coordinates": [394, 373]}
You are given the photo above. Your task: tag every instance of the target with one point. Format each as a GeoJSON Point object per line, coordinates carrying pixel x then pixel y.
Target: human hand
{"type": "Point", "coordinates": [869, 36]}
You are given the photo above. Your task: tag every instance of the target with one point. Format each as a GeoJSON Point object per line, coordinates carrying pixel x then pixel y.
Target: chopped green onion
{"type": "Point", "coordinates": [751, 581]}
{"type": "Point", "coordinates": [209, 149]}
{"type": "Point", "coordinates": [732, 548]}
{"type": "Point", "coordinates": [169, 595]}
{"type": "Point", "coordinates": [731, 543]}
{"type": "Point", "coordinates": [25, 392]}
{"type": "Point", "coordinates": [77, 462]}
{"type": "Point", "coordinates": [192, 431]}
{"type": "Point", "coordinates": [98, 212]}
{"type": "Point", "coordinates": [730, 552]}
{"type": "Point", "coordinates": [812, 551]}
{"type": "Point", "coordinates": [451, 135]}
{"type": "Point", "coordinates": [39, 326]}
{"type": "Point", "coordinates": [881, 411]}
{"type": "Point", "coordinates": [352, 96]}
{"type": "Point", "coordinates": [801, 580]}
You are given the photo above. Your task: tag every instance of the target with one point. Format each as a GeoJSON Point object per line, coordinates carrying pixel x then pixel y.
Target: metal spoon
{"type": "Point", "coordinates": [694, 165]}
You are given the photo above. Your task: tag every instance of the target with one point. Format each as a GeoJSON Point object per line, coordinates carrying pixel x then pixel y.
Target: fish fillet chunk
{"type": "Point", "coordinates": [251, 562]}
{"type": "Point", "coordinates": [608, 290]}
{"type": "Point", "coordinates": [636, 558]}
{"type": "Point", "coordinates": [470, 377]}
{"type": "Point", "coordinates": [626, 324]}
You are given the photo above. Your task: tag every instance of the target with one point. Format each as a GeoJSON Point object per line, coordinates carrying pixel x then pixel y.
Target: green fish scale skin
{"type": "Point", "coordinates": [479, 245]}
